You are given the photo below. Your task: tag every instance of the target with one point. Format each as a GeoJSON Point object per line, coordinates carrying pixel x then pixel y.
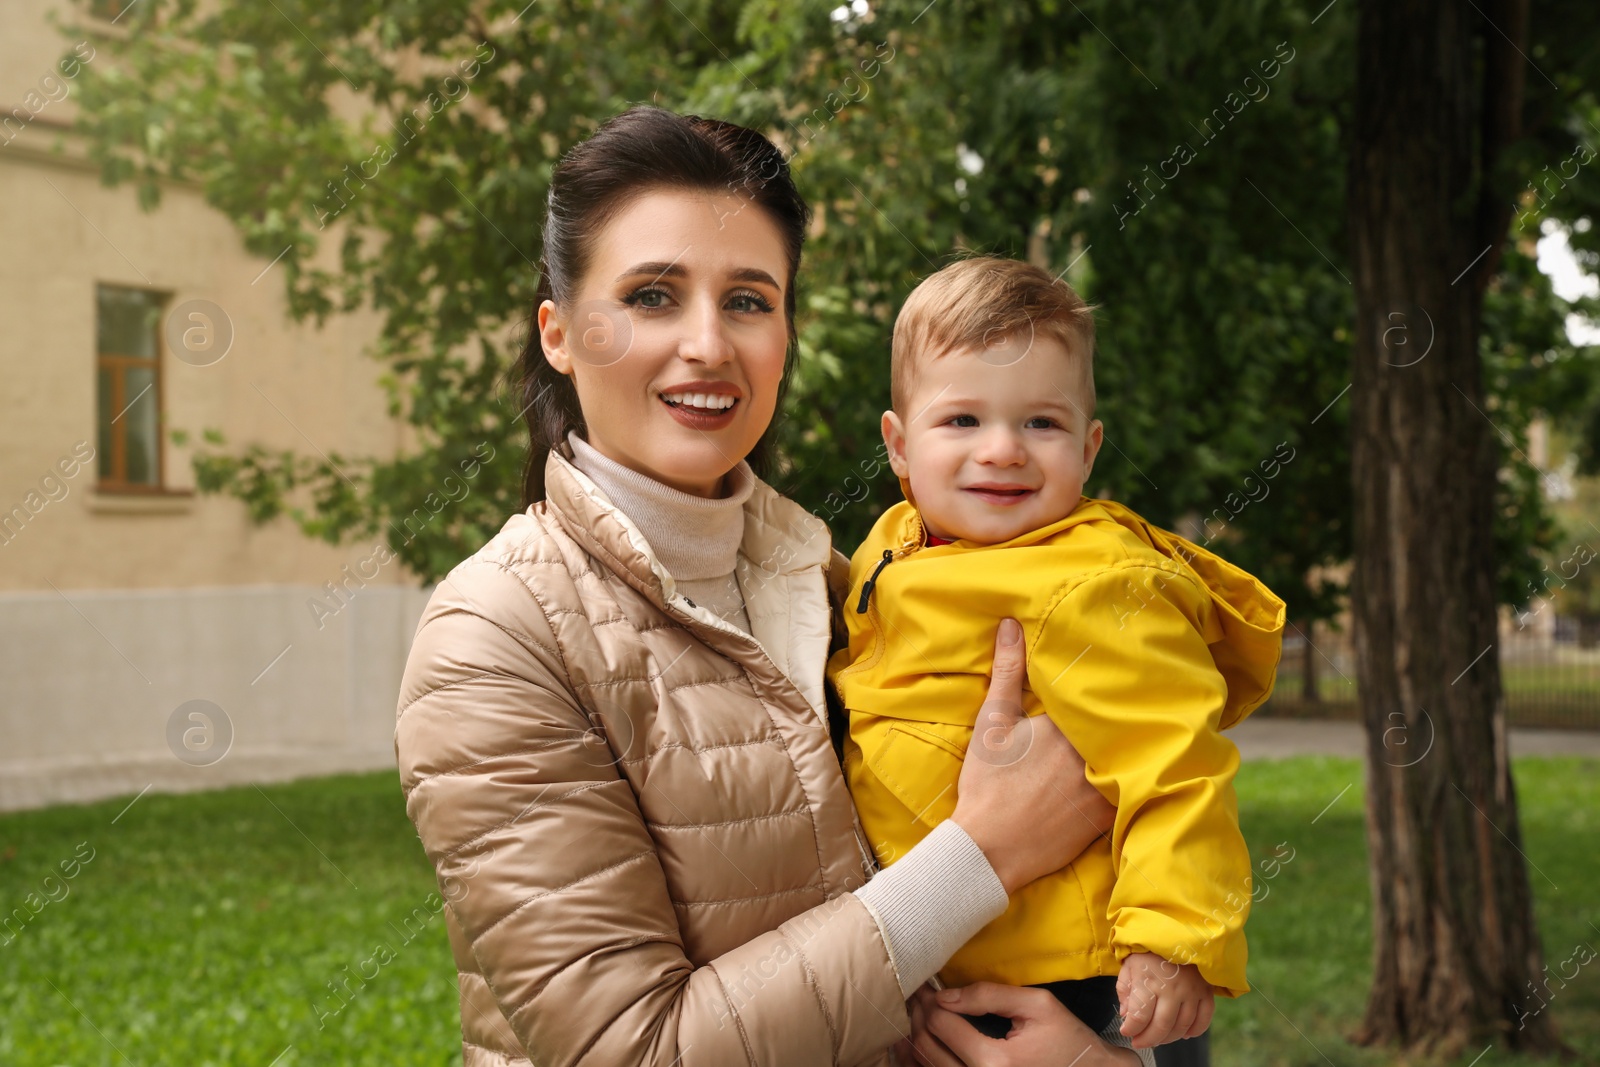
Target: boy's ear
{"type": "Point", "coordinates": [1091, 446]}
{"type": "Point", "coordinates": [894, 439]}
{"type": "Point", "coordinates": [553, 338]}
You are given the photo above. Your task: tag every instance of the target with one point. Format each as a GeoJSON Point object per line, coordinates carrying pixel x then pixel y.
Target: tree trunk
{"type": "Point", "coordinates": [1456, 955]}
{"type": "Point", "coordinates": [1310, 685]}
{"type": "Point", "coordinates": [1588, 631]}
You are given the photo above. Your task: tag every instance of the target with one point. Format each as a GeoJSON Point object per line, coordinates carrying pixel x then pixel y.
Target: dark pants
{"type": "Point", "coordinates": [1190, 1052]}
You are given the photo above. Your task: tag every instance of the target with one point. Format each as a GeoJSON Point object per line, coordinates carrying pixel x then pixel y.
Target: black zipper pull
{"type": "Point", "coordinates": [866, 589]}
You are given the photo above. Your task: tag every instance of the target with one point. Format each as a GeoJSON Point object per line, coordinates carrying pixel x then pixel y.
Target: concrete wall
{"type": "Point", "coordinates": [98, 686]}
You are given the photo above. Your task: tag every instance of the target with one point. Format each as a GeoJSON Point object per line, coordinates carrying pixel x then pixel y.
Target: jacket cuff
{"type": "Point", "coordinates": [1220, 956]}
{"type": "Point", "coordinates": [932, 901]}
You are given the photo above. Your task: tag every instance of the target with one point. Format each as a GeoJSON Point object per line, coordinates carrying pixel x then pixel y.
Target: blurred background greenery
{"type": "Point", "coordinates": [1185, 169]}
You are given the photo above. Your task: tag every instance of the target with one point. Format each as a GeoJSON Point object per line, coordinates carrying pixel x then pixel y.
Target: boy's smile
{"type": "Point", "coordinates": [1003, 494]}
{"type": "Point", "coordinates": [997, 442]}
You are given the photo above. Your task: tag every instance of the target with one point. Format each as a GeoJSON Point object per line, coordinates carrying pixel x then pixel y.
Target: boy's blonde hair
{"type": "Point", "coordinates": [980, 303]}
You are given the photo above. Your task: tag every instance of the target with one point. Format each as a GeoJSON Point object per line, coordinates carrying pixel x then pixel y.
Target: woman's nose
{"type": "Point", "coordinates": [706, 340]}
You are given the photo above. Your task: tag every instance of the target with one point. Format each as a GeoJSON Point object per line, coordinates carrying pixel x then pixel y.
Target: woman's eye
{"type": "Point", "coordinates": [646, 298]}
{"type": "Point", "coordinates": [749, 302]}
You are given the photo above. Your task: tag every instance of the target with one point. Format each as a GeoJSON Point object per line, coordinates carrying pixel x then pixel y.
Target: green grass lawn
{"type": "Point", "coordinates": [296, 925]}
{"type": "Point", "coordinates": [1310, 937]}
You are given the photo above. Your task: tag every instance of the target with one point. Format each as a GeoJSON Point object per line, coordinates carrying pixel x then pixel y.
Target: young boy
{"type": "Point", "coordinates": [1141, 646]}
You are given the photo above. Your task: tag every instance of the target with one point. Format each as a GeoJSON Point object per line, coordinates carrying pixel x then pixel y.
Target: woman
{"type": "Point", "coordinates": [613, 736]}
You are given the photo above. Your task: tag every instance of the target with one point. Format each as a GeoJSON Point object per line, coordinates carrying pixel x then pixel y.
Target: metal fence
{"type": "Point", "coordinates": [1549, 679]}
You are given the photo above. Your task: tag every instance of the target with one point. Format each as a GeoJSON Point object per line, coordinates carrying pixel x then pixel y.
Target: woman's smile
{"type": "Point", "coordinates": [702, 404]}
{"type": "Point", "coordinates": [701, 411]}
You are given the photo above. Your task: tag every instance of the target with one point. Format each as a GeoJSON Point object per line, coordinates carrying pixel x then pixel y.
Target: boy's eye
{"type": "Point", "coordinates": [971, 420]}
{"type": "Point", "coordinates": [1048, 422]}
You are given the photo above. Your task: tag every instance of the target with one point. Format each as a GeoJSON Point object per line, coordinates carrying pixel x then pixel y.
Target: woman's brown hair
{"type": "Point", "coordinates": [643, 149]}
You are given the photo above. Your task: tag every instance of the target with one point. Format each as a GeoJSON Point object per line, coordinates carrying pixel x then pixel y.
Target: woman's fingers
{"type": "Point", "coordinates": [1025, 1007]}
{"type": "Point", "coordinates": [962, 1038]}
{"type": "Point", "coordinates": [1016, 762]}
{"type": "Point", "coordinates": [1043, 1031]}
{"type": "Point", "coordinates": [993, 998]}
{"type": "Point", "coordinates": [996, 730]}
{"type": "Point", "coordinates": [924, 1049]}
{"type": "Point", "coordinates": [944, 1017]}
{"type": "Point", "coordinates": [1021, 763]}
{"type": "Point", "coordinates": [1010, 666]}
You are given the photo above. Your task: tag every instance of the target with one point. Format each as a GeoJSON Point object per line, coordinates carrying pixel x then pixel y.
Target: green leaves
{"type": "Point", "coordinates": [1187, 173]}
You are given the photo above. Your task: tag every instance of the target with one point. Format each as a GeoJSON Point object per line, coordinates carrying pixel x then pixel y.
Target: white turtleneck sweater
{"type": "Point", "coordinates": [696, 539]}
{"type": "Point", "coordinates": [940, 893]}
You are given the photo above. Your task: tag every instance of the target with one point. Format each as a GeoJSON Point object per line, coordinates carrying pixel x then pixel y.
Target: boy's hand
{"type": "Point", "coordinates": [1162, 1001]}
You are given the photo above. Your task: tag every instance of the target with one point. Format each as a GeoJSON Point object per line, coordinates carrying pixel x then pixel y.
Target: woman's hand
{"type": "Point", "coordinates": [1022, 796]}
{"type": "Point", "coordinates": [1043, 1032]}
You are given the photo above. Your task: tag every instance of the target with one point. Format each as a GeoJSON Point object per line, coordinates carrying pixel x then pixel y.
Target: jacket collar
{"type": "Point", "coordinates": [1249, 617]}
{"type": "Point", "coordinates": [780, 536]}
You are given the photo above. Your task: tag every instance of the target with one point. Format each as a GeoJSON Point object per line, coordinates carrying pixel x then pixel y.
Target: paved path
{"type": "Point", "coordinates": [1265, 738]}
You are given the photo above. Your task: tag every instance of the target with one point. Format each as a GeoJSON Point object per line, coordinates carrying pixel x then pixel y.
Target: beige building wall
{"type": "Point", "coordinates": [117, 608]}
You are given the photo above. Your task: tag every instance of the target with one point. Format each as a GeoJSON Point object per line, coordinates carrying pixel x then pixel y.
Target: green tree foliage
{"type": "Point", "coordinates": [1186, 173]}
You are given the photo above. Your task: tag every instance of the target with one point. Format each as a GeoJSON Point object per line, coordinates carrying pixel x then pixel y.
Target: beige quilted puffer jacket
{"type": "Point", "coordinates": [639, 825]}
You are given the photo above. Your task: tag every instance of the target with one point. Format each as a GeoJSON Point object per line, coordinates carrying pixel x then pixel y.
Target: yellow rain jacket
{"type": "Point", "coordinates": [1141, 646]}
